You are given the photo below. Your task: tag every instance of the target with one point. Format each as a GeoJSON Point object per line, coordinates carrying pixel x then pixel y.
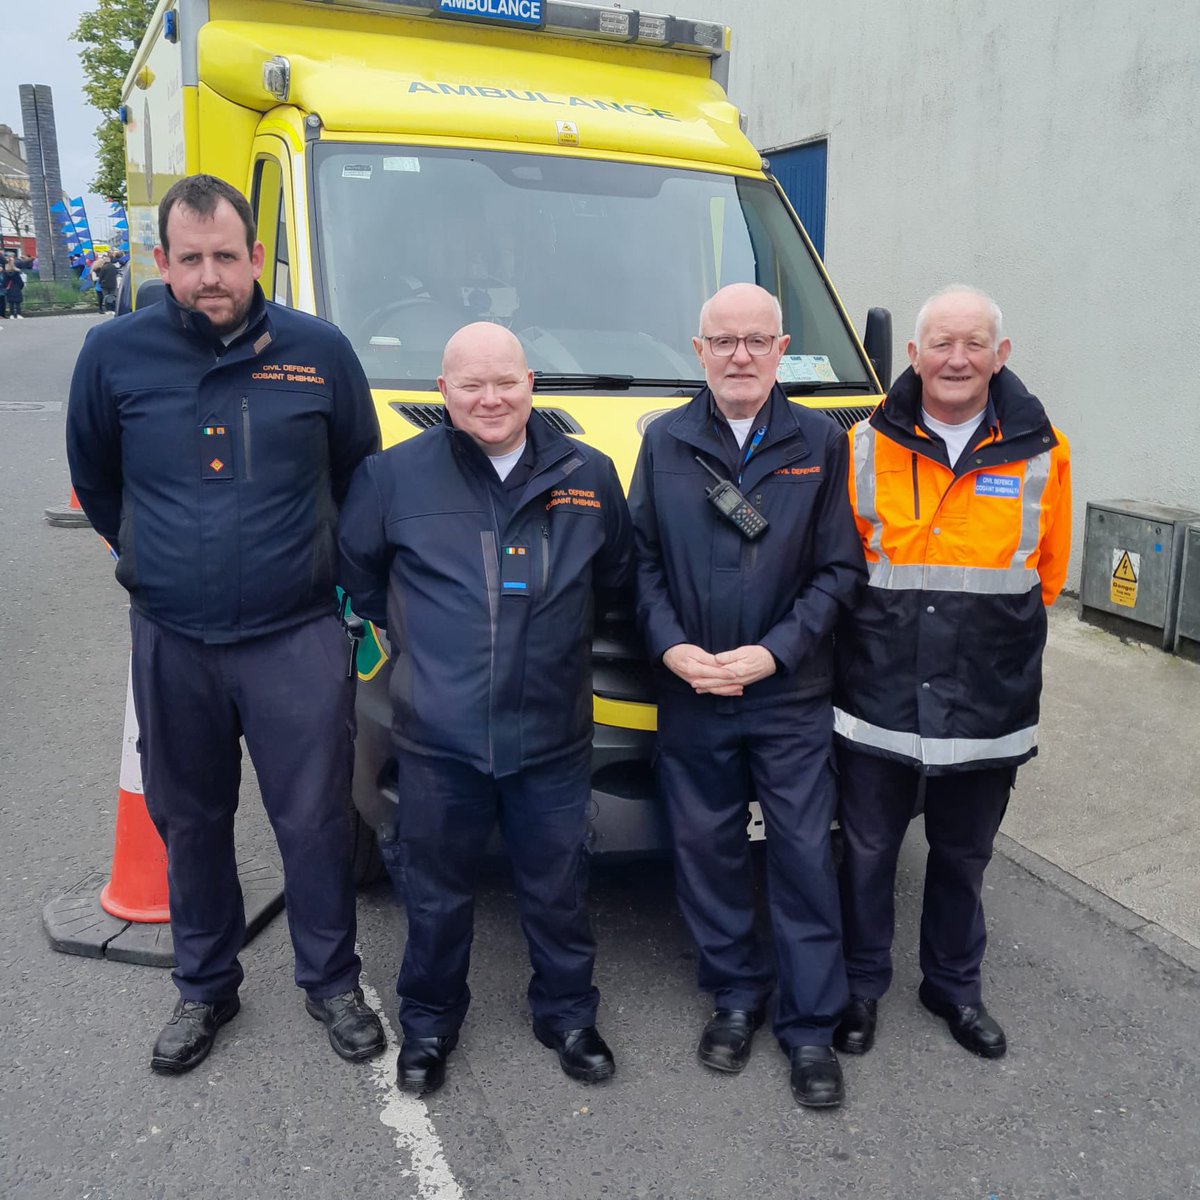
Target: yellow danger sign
{"type": "Point", "coordinates": [1126, 567]}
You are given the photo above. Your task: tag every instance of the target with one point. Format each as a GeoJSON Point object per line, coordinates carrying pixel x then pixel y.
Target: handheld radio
{"type": "Point", "coordinates": [733, 506]}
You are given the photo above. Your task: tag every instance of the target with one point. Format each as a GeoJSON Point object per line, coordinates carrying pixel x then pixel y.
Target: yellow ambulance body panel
{"type": "Point", "coordinates": [574, 172]}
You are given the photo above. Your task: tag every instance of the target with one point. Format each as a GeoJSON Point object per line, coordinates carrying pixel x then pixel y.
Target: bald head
{"type": "Point", "coordinates": [483, 338]}
{"type": "Point", "coordinates": [487, 386]}
{"type": "Point", "coordinates": [739, 297]}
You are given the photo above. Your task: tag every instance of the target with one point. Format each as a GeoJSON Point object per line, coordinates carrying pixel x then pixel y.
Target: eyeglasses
{"type": "Point", "coordinates": [724, 345]}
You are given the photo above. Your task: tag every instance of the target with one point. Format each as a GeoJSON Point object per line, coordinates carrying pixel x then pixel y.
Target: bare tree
{"type": "Point", "coordinates": [16, 215]}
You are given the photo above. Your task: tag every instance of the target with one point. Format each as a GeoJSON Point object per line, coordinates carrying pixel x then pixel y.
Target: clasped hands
{"type": "Point", "coordinates": [726, 674]}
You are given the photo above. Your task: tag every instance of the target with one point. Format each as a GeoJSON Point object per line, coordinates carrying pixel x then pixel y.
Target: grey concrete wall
{"type": "Point", "coordinates": [1048, 153]}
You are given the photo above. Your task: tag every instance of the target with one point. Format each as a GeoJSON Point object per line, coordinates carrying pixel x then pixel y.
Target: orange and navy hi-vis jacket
{"type": "Point", "coordinates": [940, 666]}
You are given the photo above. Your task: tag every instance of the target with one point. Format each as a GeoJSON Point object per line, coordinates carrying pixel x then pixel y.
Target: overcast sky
{"type": "Point", "coordinates": [37, 51]}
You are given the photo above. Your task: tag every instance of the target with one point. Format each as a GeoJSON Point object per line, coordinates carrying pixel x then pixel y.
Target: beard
{"type": "Point", "coordinates": [224, 321]}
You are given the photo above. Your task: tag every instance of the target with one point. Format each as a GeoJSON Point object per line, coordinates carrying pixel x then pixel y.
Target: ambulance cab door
{"type": "Point", "coordinates": [271, 202]}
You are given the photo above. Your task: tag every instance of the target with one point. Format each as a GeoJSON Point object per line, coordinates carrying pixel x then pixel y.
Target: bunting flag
{"type": "Point", "coordinates": [79, 216]}
{"type": "Point", "coordinates": [120, 224]}
{"type": "Point", "coordinates": [65, 222]}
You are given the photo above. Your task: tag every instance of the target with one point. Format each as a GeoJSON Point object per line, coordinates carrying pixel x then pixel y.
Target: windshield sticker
{"type": "Point", "coordinates": [806, 368]}
{"type": "Point", "coordinates": [357, 171]}
{"type": "Point", "coordinates": [402, 163]}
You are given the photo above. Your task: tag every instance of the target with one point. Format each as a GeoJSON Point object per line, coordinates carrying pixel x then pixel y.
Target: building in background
{"type": "Point", "coordinates": [16, 216]}
{"type": "Point", "coordinates": [1048, 153]}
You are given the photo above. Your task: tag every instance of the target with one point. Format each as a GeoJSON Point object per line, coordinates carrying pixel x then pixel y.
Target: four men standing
{"type": "Point", "coordinates": [487, 547]}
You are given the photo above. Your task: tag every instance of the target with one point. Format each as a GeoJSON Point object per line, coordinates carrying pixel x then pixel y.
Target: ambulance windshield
{"type": "Point", "coordinates": [599, 267]}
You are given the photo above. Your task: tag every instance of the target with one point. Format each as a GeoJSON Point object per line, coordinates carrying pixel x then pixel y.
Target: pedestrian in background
{"type": "Point", "coordinates": [962, 493]}
{"type": "Point", "coordinates": [211, 439]}
{"type": "Point", "coordinates": [738, 619]}
{"type": "Point", "coordinates": [13, 283]}
{"type": "Point", "coordinates": [487, 546]}
{"type": "Point", "coordinates": [106, 275]}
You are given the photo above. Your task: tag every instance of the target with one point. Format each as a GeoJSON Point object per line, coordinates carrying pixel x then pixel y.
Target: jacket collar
{"type": "Point", "coordinates": [696, 425]}
{"type": "Point", "coordinates": [196, 325]}
{"type": "Point", "coordinates": [696, 422]}
{"type": "Point", "coordinates": [1015, 424]}
{"type": "Point", "coordinates": [554, 456]}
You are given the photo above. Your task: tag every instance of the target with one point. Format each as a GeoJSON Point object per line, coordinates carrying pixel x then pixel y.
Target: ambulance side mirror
{"type": "Point", "coordinates": [877, 342]}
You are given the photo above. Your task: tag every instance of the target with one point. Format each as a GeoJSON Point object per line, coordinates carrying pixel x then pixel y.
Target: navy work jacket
{"type": "Point", "coordinates": [215, 472]}
{"type": "Point", "coordinates": [700, 581]}
{"type": "Point", "coordinates": [489, 607]}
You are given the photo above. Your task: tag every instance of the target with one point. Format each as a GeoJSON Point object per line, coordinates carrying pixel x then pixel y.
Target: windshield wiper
{"type": "Point", "coordinates": [584, 380]}
{"type": "Point", "coordinates": [814, 386]}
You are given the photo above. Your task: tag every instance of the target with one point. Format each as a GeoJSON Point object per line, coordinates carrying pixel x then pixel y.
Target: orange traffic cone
{"type": "Point", "coordinates": [137, 889]}
{"type": "Point", "coordinates": [69, 515]}
{"type": "Point", "coordinates": [125, 916]}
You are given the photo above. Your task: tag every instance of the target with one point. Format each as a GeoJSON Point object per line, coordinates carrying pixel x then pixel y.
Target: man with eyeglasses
{"type": "Point", "coordinates": [740, 584]}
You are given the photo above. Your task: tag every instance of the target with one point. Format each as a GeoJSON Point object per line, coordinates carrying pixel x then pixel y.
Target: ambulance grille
{"type": "Point", "coordinates": [557, 419]}
{"type": "Point", "coordinates": [847, 418]}
{"type": "Point", "coordinates": [423, 416]}
{"type": "Point", "coordinates": [426, 416]}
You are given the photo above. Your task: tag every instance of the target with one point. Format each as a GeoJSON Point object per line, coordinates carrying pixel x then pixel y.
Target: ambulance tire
{"type": "Point", "coordinates": [368, 864]}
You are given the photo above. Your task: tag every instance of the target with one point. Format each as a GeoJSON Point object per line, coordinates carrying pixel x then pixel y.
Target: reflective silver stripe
{"type": "Point", "coordinates": [978, 581]}
{"type": "Point", "coordinates": [1037, 471]}
{"type": "Point", "coordinates": [934, 752]}
{"type": "Point", "coordinates": [864, 482]}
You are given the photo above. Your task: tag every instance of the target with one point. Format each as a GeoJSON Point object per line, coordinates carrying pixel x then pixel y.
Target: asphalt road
{"type": "Point", "coordinates": [1099, 1095]}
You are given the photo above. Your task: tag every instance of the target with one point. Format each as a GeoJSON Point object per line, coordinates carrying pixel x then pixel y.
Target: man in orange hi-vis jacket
{"type": "Point", "coordinates": [962, 495]}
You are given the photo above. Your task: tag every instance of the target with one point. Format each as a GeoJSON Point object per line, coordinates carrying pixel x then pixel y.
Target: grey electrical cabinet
{"type": "Point", "coordinates": [1132, 562]}
{"type": "Point", "coordinates": [1187, 621]}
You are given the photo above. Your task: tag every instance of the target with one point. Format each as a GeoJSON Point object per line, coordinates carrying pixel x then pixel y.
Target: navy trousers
{"type": "Point", "coordinates": [446, 816]}
{"type": "Point", "coordinates": [712, 763]}
{"type": "Point", "coordinates": [963, 812]}
{"type": "Point", "coordinates": [288, 695]}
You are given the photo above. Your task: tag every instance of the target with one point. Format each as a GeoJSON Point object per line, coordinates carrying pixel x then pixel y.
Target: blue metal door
{"type": "Point", "coordinates": [801, 173]}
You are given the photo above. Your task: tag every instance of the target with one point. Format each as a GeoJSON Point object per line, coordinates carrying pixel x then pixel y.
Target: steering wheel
{"type": "Point", "coordinates": [431, 313]}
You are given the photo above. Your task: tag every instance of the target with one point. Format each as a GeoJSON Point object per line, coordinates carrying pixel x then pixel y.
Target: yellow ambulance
{"type": "Point", "coordinates": [571, 171]}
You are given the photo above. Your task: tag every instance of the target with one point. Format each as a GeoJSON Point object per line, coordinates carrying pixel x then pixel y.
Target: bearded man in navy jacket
{"type": "Point", "coordinates": [211, 439]}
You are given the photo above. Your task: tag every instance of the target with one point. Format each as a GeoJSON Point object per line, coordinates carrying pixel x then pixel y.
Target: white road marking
{"type": "Point", "coordinates": [408, 1118]}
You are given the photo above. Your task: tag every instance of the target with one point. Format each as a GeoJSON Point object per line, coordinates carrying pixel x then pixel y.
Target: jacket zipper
{"type": "Point", "coordinates": [758, 503]}
{"type": "Point", "coordinates": [916, 491]}
{"type": "Point", "coordinates": [246, 437]}
{"type": "Point", "coordinates": [545, 558]}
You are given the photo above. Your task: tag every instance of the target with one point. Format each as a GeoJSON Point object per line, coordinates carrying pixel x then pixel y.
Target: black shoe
{"type": "Point", "coordinates": [421, 1067]}
{"type": "Point", "coordinates": [188, 1036]}
{"type": "Point", "coordinates": [855, 1033]}
{"type": "Point", "coordinates": [355, 1032]}
{"type": "Point", "coordinates": [725, 1042]}
{"type": "Point", "coordinates": [970, 1024]}
{"type": "Point", "coordinates": [816, 1077]}
{"type": "Point", "coordinates": [583, 1053]}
